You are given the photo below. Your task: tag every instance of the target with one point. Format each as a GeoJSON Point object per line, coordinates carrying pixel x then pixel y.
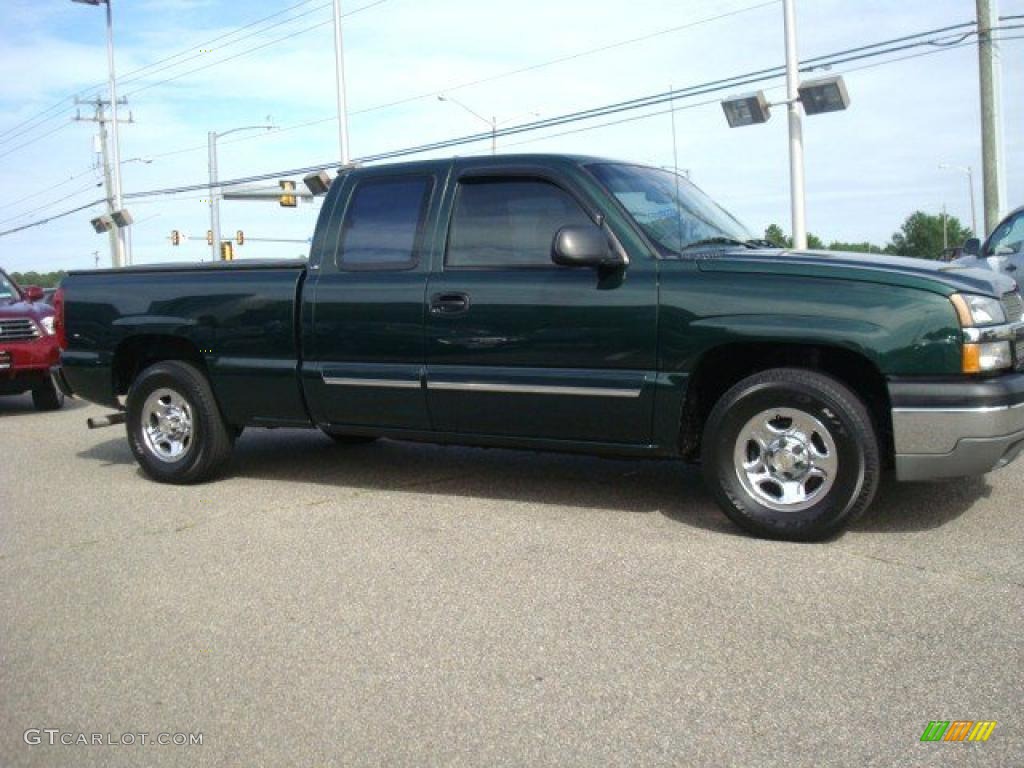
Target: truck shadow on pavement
{"type": "Point", "coordinates": [667, 487]}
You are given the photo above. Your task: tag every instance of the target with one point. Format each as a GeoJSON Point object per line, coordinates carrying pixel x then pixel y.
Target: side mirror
{"type": "Point", "coordinates": [34, 293]}
{"type": "Point", "coordinates": [583, 246]}
{"type": "Point", "coordinates": [972, 246]}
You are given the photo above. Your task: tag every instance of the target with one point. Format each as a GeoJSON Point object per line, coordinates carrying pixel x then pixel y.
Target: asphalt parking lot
{"type": "Point", "coordinates": [399, 604]}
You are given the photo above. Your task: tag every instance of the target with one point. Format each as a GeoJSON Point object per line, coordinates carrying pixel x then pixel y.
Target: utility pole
{"type": "Point", "coordinates": [993, 179]}
{"type": "Point", "coordinates": [118, 256]}
{"type": "Point", "coordinates": [339, 74]}
{"type": "Point", "coordinates": [796, 136]}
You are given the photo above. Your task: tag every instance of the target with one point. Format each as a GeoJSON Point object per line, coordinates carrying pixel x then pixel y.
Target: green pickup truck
{"type": "Point", "coordinates": [573, 304]}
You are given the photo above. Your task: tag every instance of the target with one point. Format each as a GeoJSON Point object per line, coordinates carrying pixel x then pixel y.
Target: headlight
{"type": "Point", "coordinates": [975, 311]}
{"type": "Point", "coordinates": [47, 325]}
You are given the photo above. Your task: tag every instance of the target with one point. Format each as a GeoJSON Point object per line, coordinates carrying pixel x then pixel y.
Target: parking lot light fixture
{"type": "Point", "coordinates": [748, 109]}
{"type": "Point", "coordinates": [828, 94]}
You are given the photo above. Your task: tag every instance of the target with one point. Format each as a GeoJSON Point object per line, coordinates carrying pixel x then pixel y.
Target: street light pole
{"type": "Point", "coordinates": [970, 186]}
{"type": "Point", "coordinates": [124, 254]}
{"type": "Point", "coordinates": [215, 194]}
{"type": "Point", "coordinates": [796, 139]}
{"type": "Point", "coordinates": [492, 123]}
{"type": "Point", "coordinates": [214, 197]}
{"type": "Point", "coordinates": [339, 74]}
{"type": "Point", "coordinates": [122, 251]}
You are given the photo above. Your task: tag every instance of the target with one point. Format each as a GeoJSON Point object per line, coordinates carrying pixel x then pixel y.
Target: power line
{"type": "Point", "coordinates": [25, 123]}
{"type": "Point", "coordinates": [562, 59]}
{"type": "Point", "coordinates": [405, 100]}
{"type": "Point", "coordinates": [247, 51]}
{"type": "Point", "coordinates": [717, 101]}
{"type": "Point", "coordinates": [709, 87]}
{"type": "Point", "coordinates": [480, 81]}
{"type": "Point", "coordinates": [231, 34]}
{"type": "Point", "coordinates": [205, 54]}
{"type": "Point", "coordinates": [48, 219]}
{"type": "Point", "coordinates": [90, 169]}
{"type": "Point", "coordinates": [809, 62]}
{"type": "Point", "coordinates": [50, 204]}
{"type": "Point", "coordinates": [40, 137]}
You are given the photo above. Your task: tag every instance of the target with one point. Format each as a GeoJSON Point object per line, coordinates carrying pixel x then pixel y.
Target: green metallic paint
{"type": "Point", "coordinates": [645, 327]}
{"type": "Point", "coordinates": [901, 331]}
{"type": "Point", "coordinates": [239, 321]}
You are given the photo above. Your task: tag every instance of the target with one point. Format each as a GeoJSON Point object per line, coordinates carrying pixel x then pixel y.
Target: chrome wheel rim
{"type": "Point", "coordinates": [167, 427]}
{"type": "Point", "coordinates": [786, 459]}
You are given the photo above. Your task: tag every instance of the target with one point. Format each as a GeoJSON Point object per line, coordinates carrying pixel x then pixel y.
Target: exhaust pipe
{"type": "Point", "coordinates": [107, 421]}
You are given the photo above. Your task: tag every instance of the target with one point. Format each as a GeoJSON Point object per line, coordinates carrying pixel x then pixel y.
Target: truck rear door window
{"type": "Point", "coordinates": [508, 222]}
{"type": "Point", "coordinates": [383, 223]}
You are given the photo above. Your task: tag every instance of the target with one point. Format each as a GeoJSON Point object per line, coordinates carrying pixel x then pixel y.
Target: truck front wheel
{"type": "Point", "coordinates": [47, 397]}
{"type": "Point", "coordinates": [175, 427]}
{"type": "Point", "coordinates": [791, 454]}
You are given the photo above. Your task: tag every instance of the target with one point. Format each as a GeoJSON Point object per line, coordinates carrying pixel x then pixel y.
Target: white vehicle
{"type": "Point", "coordinates": [1002, 252]}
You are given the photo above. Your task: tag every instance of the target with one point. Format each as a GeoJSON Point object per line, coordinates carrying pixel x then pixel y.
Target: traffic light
{"type": "Point", "coordinates": [227, 251]}
{"type": "Point", "coordinates": [287, 198]}
{"type": "Point", "coordinates": [175, 237]}
{"type": "Point", "coordinates": [209, 237]}
{"type": "Point", "coordinates": [240, 237]}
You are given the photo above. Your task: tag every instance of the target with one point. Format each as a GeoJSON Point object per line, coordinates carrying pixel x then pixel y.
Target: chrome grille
{"type": "Point", "coordinates": [22, 329]}
{"type": "Point", "coordinates": [1013, 307]}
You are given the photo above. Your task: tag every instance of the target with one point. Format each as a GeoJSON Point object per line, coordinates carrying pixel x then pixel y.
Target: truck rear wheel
{"type": "Point", "coordinates": [791, 454]}
{"type": "Point", "coordinates": [175, 428]}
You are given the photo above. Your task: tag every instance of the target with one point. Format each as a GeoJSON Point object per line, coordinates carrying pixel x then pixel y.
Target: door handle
{"type": "Point", "coordinates": [449, 303]}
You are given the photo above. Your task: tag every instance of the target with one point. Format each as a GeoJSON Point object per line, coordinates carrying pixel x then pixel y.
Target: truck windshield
{"type": "Point", "coordinates": [673, 212]}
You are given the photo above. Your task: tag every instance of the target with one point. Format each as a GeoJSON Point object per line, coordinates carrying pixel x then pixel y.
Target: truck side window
{"type": "Point", "coordinates": [383, 222]}
{"type": "Point", "coordinates": [508, 222]}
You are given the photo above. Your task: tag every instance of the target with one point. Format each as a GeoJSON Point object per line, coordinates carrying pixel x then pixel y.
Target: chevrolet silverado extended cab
{"type": "Point", "coordinates": [565, 303]}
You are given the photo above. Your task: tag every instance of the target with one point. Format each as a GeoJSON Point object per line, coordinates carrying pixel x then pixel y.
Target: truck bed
{"type": "Point", "coordinates": [237, 320]}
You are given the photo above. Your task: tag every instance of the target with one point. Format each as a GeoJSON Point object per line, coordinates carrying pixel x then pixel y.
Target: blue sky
{"type": "Point", "coordinates": [867, 168]}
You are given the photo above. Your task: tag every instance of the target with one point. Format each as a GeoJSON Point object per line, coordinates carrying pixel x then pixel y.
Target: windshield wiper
{"type": "Point", "coordinates": [761, 244]}
{"type": "Point", "coordinates": [717, 241]}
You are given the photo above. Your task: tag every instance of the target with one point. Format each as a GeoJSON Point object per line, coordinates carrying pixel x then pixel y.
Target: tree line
{"type": "Point", "coordinates": [921, 236]}
{"type": "Point", "coordinates": [42, 279]}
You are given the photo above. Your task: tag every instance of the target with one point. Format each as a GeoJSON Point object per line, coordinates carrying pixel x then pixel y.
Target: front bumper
{"type": "Point", "coordinates": [26, 364]}
{"type": "Point", "coordinates": [956, 428]}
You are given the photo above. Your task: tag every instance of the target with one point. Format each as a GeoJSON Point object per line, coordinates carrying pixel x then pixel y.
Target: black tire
{"type": "Point", "coordinates": [48, 396]}
{"type": "Point", "coordinates": [209, 440]}
{"type": "Point", "coordinates": [831, 459]}
{"type": "Point", "coordinates": [343, 439]}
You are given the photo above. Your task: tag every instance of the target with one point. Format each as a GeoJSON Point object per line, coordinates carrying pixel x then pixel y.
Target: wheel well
{"type": "Point", "coordinates": [137, 353]}
{"type": "Point", "coordinates": [719, 369]}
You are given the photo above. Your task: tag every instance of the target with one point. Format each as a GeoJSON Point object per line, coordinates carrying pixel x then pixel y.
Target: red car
{"type": "Point", "coordinates": [28, 346]}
